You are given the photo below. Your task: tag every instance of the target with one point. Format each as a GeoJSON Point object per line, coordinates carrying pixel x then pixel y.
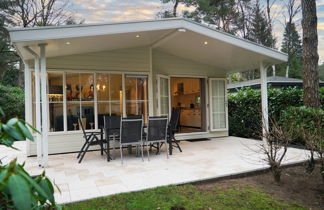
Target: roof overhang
{"type": "Point", "coordinates": [180, 37]}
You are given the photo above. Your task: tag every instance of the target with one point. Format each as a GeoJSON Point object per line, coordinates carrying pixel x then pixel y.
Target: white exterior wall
{"type": "Point", "coordinates": [125, 60]}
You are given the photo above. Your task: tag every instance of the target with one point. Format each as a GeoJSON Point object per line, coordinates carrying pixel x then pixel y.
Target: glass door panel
{"type": "Point", "coordinates": [218, 109]}
{"type": "Point", "coordinates": [136, 90]}
{"type": "Point", "coordinates": [163, 94]}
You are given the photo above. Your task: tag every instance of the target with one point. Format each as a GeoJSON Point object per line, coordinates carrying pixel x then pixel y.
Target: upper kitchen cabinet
{"type": "Point", "coordinates": [191, 86]}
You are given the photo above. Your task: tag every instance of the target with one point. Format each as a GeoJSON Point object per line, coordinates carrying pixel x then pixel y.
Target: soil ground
{"type": "Point", "coordinates": [296, 185]}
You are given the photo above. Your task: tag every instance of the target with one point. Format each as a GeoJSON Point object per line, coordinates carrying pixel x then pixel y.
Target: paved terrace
{"type": "Point", "coordinates": [199, 160]}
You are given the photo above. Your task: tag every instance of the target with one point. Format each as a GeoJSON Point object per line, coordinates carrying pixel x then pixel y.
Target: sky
{"type": "Point", "coordinates": [102, 11]}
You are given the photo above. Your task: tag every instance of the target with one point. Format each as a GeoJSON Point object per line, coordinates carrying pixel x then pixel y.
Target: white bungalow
{"type": "Point", "coordinates": [140, 67]}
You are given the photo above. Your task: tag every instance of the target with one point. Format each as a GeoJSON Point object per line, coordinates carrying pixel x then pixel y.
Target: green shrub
{"type": "Point", "coordinates": [244, 109]}
{"type": "Point", "coordinates": [12, 101]}
{"type": "Point", "coordinates": [18, 190]}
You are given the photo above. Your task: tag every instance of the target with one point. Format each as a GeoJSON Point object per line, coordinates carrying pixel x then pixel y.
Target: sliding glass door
{"type": "Point", "coordinates": [136, 92]}
{"type": "Point", "coordinates": [109, 96]}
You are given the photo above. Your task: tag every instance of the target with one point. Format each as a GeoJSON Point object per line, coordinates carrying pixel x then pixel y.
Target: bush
{"type": "Point", "coordinates": [308, 124]}
{"type": "Point", "coordinates": [244, 109]}
{"type": "Point", "coordinates": [18, 190]}
{"type": "Point", "coordinates": [12, 101]}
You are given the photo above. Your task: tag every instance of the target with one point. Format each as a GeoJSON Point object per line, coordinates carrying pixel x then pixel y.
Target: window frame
{"type": "Point", "coordinates": [95, 101]}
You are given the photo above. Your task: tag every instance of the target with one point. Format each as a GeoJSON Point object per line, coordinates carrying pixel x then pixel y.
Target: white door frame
{"type": "Point", "coordinates": [206, 102]}
{"type": "Point", "coordinates": [211, 106]}
{"type": "Point", "coordinates": [159, 76]}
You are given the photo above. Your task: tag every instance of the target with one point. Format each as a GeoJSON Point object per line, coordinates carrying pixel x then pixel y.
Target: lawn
{"type": "Point", "coordinates": [189, 197]}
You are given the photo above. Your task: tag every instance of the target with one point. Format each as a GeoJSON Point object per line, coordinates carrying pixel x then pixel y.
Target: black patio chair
{"type": "Point", "coordinates": [134, 116]}
{"type": "Point", "coordinates": [156, 133]}
{"type": "Point", "coordinates": [91, 139]}
{"type": "Point", "coordinates": [112, 131]}
{"type": "Point", "coordinates": [131, 133]}
{"type": "Point", "coordinates": [172, 129]}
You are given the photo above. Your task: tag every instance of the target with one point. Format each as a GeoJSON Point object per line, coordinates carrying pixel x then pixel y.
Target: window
{"type": "Point", "coordinates": [109, 95]}
{"type": "Point", "coordinates": [90, 96]}
{"type": "Point", "coordinates": [80, 100]}
{"type": "Point", "coordinates": [136, 95]}
{"type": "Point", "coordinates": [55, 100]}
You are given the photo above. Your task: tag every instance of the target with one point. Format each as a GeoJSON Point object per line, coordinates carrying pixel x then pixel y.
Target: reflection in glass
{"type": "Point", "coordinates": [73, 88]}
{"type": "Point", "coordinates": [103, 110]}
{"type": "Point", "coordinates": [86, 87]}
{"type": "Point", "coordinates": [87, 115]}
{"type": "Point", "coordinates": [136, 95]}
{"type": "Point", "coordinates": [56, 117]}
{"type": "Point", "coordinates": [73, 112]}
{"type": "Point", "coordinates": [55, 99]}
{"type": "Point", "coordinates": [115, 87]}
{"type": "Point", "coordinates": [109, 96]}
{"type": "Point", "coordinates": [102, 87]}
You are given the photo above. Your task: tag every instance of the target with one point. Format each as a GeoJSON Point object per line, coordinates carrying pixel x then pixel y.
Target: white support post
{"type": "Point", "coordinates": [39, 140]}
{"type": "Point", "coordinates": [264, 100]}
{"type": "Point", "coordinates": [28, 100]}
{"type": "Point", "coordinates": [150, 80]}
{"type": "Point", "coordinates": [44, 105]}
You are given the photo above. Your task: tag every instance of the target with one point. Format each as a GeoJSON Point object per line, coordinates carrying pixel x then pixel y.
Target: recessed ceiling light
{"type": "Point", "coordinates": [182, 30]}
{"type": "Point", "coordinates": [205, 42]}
{"type": "Point", "coordinates": [137, 36]}
{"type": "Point", "coordinates": [68, 43]}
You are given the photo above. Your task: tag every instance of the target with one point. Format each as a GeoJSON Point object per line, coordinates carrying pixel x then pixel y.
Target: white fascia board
{"type": "Point", "coordinates": [62, 32]}
{"type": "Point", "coordinates": [236, 41]}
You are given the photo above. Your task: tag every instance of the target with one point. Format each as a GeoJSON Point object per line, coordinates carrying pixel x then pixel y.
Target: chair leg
{"type": "Point", "coordinates": [114, 151]}
{"type": "Point", "coordinates": [84, 152]}
{"type": "Point", "coordinates": [121, 154]}
{"type": "Point", "coordinates": [148, 151]}
{"type": "Point", "coordinates": [114, 147]}
{"type": "Point", "coordinates": [178, 146]}
{"type": "Point", "coordinates": [84, 145]}
{"type": "Point", "coordinates": [142, 152]}
{"type": "Point", "coordinates": [157, 148]}
{"type": "Point", "coordinates": [166, 147]}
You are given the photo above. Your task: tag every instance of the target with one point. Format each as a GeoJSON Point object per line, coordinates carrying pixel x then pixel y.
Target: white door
{"type": "Point", "coordinates": [218, 104]}
{"type": "Point", "coordinates": [163, 90]}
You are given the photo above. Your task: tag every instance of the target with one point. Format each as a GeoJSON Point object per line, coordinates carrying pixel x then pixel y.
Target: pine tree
{"type": "Point", "coordinates": [291, 45]}
{"type": "Point", "coordinates": [261, 30]}
{"type": "Point", "coordinates": [221, 14]}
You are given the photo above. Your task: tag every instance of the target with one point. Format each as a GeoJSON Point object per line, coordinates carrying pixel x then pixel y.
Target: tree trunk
{"type": "Point", "coordinates": [175, 7]}
{"type": "Point", "coordinates": [310, 55]}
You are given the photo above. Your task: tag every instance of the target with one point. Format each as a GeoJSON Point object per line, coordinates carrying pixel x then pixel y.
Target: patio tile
{"type": "Point", "coordinates": [84, 193]}
{"type": "Point", "coordinates": [199, 160]}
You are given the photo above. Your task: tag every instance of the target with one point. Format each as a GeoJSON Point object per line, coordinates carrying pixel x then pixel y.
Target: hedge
{"type": "Point", "coordinates": [12, 101]}
{"type": "Point", "coordinates": [244, 108]}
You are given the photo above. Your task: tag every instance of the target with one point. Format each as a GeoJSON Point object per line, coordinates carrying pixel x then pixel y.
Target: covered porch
{"type": "Point", "coordinates": [200, 160]}
{"type": "Point", "coordinates": [126, 68]}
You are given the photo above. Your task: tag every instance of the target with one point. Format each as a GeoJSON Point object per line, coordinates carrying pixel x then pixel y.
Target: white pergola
{"type": "Point", "coordinates": [175, 36]}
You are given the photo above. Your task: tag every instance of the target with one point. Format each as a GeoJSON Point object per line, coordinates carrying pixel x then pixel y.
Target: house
{"type": "Point", "coordinates": [140, 67]}
{"type": "Point", "coordinates": [273, 81]}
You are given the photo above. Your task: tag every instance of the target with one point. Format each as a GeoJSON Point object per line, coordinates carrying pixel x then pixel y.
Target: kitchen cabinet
{"type": "Point", "coordinates": [191, 86]}
{"type": "Point", "coordinates": [190, 118]}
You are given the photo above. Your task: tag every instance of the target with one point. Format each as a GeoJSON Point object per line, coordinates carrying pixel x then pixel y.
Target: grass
{"type": "Point", "coordinates": [188, 197]}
